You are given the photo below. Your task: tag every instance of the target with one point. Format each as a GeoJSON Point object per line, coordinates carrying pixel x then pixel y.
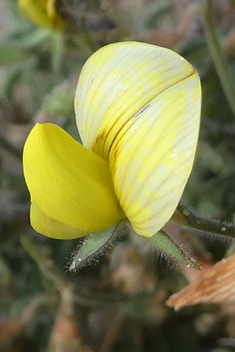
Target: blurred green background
{"type": "Point", "coordinates": [117, 303]}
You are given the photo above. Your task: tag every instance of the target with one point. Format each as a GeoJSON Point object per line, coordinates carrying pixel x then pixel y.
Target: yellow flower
{"type": "Point", "coordinates": [138, 111]}
{"type": "Point", "coordinates": [42, 13]}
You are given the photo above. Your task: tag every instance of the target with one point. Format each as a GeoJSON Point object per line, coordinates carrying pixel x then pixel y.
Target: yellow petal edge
{"type": "Point", "coordinates": [138, 106]}
{"type": "Point", "coordinates": [68, 184]}
{"type": "Point", "coordinates": [50, 227]}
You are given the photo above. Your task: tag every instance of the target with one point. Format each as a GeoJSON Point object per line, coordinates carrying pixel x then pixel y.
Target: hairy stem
{"type": "Point", "coordinates": [187, 217]}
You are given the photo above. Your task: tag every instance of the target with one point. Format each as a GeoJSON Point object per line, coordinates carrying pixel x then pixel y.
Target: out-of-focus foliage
{"type": "Point", "coordinates": [119, 303]}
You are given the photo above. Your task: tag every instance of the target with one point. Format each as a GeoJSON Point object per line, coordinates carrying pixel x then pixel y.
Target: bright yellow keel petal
{"type": "Point", "coordinates": [69, 183]}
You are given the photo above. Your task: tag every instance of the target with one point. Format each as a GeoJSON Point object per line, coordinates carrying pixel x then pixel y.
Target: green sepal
{"type": "Point", "coordinates": [93, 246]}
{"type": "Point", "coordinates": [165, 244]}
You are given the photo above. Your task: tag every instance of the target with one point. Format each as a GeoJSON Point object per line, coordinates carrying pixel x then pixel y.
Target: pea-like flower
{"type": "Point", "coordinates": [138, 111]}
{"type": "Point", "coordinates": [42, 13]}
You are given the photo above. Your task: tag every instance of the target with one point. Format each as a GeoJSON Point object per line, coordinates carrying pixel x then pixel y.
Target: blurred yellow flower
{"type": "Point", "coordinates": [42, 13]}
{"type": "Point", "coordinates": [138, 111]}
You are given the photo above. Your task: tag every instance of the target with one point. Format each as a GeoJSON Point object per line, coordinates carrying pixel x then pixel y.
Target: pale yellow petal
{"type": "Point", "coordinates": [69, 183]}
{"type": "Point", "coordinates": [51, 228]}
{"type": "Point", "coordinates": [116, 82]}
{"type": "Point", "coordinates": [151, 159]}
{"type": "Point", "coordinates": [138, 106]}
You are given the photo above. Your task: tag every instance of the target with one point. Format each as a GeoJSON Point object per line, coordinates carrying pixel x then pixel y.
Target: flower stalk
{"type": "Point", "coordinates": [187, 217]}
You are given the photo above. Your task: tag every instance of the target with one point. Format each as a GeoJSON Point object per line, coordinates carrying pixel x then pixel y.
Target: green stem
{"type": "Point", "coordinates": [185, 216]}
{"type": "Point", "coordinates": [57, 44]}
{"type": "Point", "coordinates": [218, 56]}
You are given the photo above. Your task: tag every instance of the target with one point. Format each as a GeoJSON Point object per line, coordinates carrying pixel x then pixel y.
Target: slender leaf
{"type": "Point", "coordinates": [14, 15]}
{"type": "Point", "coordinates": [27, 39]}
{"type": "Point", "coordinates": [57, 38]}
{"type": "Point", "coordinates": [9, 55]}
{"type": "Point", "coordinates": [155, 11]}
{"type": "Point", "coordinates": [16, 72]}
{"type": "Point", "coordinates": [8, 81]}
